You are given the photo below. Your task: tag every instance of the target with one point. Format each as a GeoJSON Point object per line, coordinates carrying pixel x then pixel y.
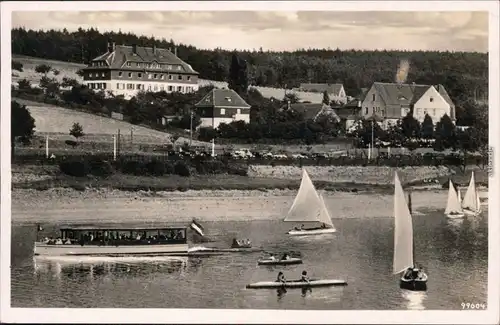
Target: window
{"type": "Point", "coordinates": [103, 74]}
{"type": "Point", "coordinates": [170, 88]}
{"type": "Point", "coordinates": [431, 99]}
{"type": "Point", "coordinates": [149, 87]}
{"type": "Point", "coordinates": [188, 78]}
{"type": "Point", "coordinates": [130, 86]}
{"type": "Point", "coordinates": [238, 111]}
{"type": "Point", "coordinates": [170, 77]}
{"type": "Point", "coordinates": [366, 110]}
{"type": "Point", "coordinates": [179, 88]}
{"type": "Point", "coordinates": [139, 75]}
{"type": "Point", "coordinates": [373, 97]}
{"type": "Point", "coordinates": [155, 76]}
{"type": "Point", "coordinates": [169, 67]}
{"type": "Point", "coordinates": [138, 86]}
{"type": "Point", "coordinates": [149, 75]}
{"type": "Point", "coordinates": [373, 110]}
{"type": "Point", "coordinates": [162, 87]}
{"type": "Point", "coordinates": [138, 64]}
{"type": "Point", "coordinates": [179, 77]}
{"type": "Point", "coordinates": [222, 111]}
{"type": "Point", "coordinates": [103, 85]}
{"type": "Point", "coordinates": [129, 64]}
{"type": "Point", "coordinates": [179, 68]}
{"type": "Point", "coordinates": [189, 89]}
{"type": "Point", "coordinates": [162, 77]}
{"type": "Point", "coordinates": [120, 74]}
{"type": "Point", "coordinates": [90, 75]}
{"type": "Point", "coordinates": [130, 74]}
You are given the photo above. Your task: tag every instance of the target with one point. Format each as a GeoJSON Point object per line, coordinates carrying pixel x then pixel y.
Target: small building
{"type": "Point", "coordinates": [333, 90]}
{"type": "Point", "coordinates": [312, 111]}
{"type": "Point", "coordinates": [349, 113]}
{"type": "Point", "coordinates": [126, 70]}
{"type": "Point", "coordinates": [222, 106]}
{"type": "Point", "coordinates": [392, 101]}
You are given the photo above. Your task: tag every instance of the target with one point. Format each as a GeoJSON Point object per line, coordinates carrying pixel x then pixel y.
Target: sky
{"type": "Point", "coordinates": [283, 30]}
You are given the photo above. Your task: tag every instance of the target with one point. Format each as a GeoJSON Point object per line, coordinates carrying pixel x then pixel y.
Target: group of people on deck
{"type": "Point", "coordinates": [285, 256]}
{"type": "Point", "coordinates": [323, 226]}
{"type": "Point", "coordinates": [241, 242]}
{"type": "Point", "coordinates": [281, 277]}
{"type": "Point", "coordinates": [414, 273]}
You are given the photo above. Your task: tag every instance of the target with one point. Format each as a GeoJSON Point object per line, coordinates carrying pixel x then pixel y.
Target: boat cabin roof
{"type": "Point", "coordinates": [120, 228]}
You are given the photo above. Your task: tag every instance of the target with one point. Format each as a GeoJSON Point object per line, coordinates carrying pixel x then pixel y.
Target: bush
{"type": "Point", "coordinates": [155, 167]}
{"type": "Point", "coordinates": [99, 167]}
{"type": "Point", "coordinates": [237, 169]}
{"type": "Point", "coordinates": [77, 168]}
{"type": "Point", "coordinates": [133, 167]}
{"type": "Point", "coordinates": [210, 167]}
{"type": "Point", "coordinates": [182, 169]}
{"type": "Point", "coordinates": [72, 143]}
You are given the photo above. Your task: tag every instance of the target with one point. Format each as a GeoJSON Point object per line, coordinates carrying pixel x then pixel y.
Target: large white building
{"type": "Point", "coordinates": [126, 70]}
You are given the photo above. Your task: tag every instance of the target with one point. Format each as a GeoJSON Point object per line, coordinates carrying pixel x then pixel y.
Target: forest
{"type": "Point", "coordinates": [465, 75]}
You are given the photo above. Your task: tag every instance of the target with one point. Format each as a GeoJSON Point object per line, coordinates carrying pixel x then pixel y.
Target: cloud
{"type": "Point", "coordinates": [284, 30]}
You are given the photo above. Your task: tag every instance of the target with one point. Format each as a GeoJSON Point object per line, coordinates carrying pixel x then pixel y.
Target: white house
{"type": "Point", "coordinates": [222, 106]}
{"type": "Point", "coordinates": [391, 102]}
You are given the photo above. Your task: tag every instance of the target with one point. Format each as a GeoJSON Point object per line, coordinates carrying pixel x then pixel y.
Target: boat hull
{"type": "Point", "coordinates": [307, 232]}
{"type": "Point", "coordinates": [455, 216]}
{"type": "Point", "coordinates": [280, 262]}
{"type": "Point", "coordinates": [296, 284]}
{"type": "Point", "coordinates": [413, 284]}
{"type": "Point", "coordinates": [42, 249]}
{"type": "Point", "coordinates": [471, 213]}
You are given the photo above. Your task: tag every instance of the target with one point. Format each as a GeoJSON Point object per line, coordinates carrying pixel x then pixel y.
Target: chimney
{"type": "Point", "coordinates": [134, 48]}
{"type": "Point", "coordinates": [111, 46]}
{"type": "Point", "coordinates": [154, 48]}
{"type": "Point", "coordinates": [175, 51]}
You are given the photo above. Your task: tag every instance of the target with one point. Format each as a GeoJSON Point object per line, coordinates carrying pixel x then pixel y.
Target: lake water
{"type": "Point", "coordinates": [454, 253]}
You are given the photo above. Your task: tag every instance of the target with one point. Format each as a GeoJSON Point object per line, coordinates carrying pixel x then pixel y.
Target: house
{"type": "Point", "coordinates": [333, 90]}
{"type": "Point", "coordinates": [349, 113]}
{"type": "Point", "coordinates": [126, 70]}
{"type": "Point", "coordinates": [392, 101]}
{"type": "Point", "coordinates": [222, 106]}
{"type": "Point", "coordinates": [312, 111]}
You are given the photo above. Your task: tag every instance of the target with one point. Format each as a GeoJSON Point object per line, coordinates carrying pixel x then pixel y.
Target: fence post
{"type": "Point", "coordinates": [114, 147]}
{"type": "Point", "coordinates": [47, 146]}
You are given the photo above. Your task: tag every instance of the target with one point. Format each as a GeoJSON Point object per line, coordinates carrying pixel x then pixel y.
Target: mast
{"type": "Point", "coordinates": [412, 239]}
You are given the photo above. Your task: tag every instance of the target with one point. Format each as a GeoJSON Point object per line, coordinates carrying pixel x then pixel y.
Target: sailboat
{"type": "Point", "coordinates": [309, 207]}
{"type": "Point", "coordinates": [453, 207]}
{"type": "Point", "coordinates": [412, 278]}
{"type": "Point", "coordinates": [471, 204]}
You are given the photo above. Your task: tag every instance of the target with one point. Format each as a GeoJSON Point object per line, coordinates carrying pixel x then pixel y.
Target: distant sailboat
{"type": "Point", "coordinates": [471, 204]}
{"type": "Point", "coordinates": [453, 208]}
{"type": "Point", "coordinates": [309, 207]}
{"type": "Point", "coordinates": [412, 278]}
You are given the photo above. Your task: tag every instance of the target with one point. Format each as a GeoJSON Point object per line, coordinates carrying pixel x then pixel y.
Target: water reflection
{"type": "Point", "coordinates": [414, 300]}
{"type": "Point", "coordinates": [92, 267]}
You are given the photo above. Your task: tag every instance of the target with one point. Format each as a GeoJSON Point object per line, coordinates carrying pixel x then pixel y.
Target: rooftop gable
{"type": "Point", "coordinates": [222, 98]}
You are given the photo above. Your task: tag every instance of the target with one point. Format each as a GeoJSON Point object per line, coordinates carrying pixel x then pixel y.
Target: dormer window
{"type": "Point", "coordinates": [179, 77]}
{"type": "Point", "coordinates": [179, 68]}
{"type": "Point", "coordinates": [138, 64]}
{"type": "Point", "coordinates": [169, 77]}
{"type": "Point", "coordinates": [129, 64]}
{"type": "Point", "coordinates": [120, 74]}
{"type": "Point", "coordinates": [228, 99]}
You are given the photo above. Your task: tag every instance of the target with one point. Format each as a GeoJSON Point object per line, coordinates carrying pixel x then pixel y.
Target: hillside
{"type": "Point", "coordinates": [465, 75]}
{"type": "Point", "coordinates": [56, 121]}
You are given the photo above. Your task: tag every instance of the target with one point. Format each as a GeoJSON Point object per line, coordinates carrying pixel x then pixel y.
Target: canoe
{"type": "Point", "coordinates": [292, 260]}
{"type": "Point", "coordinates": [296, 284]}
{"type": "Point", "coordinates": [308, 232]}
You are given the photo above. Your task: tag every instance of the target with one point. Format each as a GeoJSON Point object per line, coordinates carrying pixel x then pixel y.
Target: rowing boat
{"type": "Point", "coordinates": [292, 260]}
{"type": "Point", "coordinates": [296, 284]}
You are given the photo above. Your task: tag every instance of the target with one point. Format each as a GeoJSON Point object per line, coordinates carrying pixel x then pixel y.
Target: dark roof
{"type": "Point", "coordinates": [222, 98]}
{"type": "Point", "coordinates": [348, 112]}
{"type": "Point", "coordinates": [329, 88]}
{"type": "Point", "coordinates": [121, 54]}
{"type": "Point", "coordinates": [311, 111]}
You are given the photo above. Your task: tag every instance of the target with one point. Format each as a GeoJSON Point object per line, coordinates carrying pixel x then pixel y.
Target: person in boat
{"type": "Point", "coordinates": [302, 227]}
{"type": "Point", "coordinates": [408, 274]}
{"type": "Point", "coordinates": [285, 257]}
{"type": "Point", "coordinates": [323, 225]}
{"type": "Point", "coordinates": [236, 243]}
{"type": "Point", "coordinates": [271, 257]}
{"type": "Point", "coordinates": [304, 277]}
{"type": "Point", "coordinates": [281, 278]}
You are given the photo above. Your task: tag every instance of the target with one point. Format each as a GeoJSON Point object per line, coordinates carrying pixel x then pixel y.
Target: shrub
{"type": "Point", "coordinates": [132, 167]}
{"type": "Point", "coordinates": [182, 169]}
{"type": "Point", "coordinates": [155, 167]}
{"type": "Point", "coordinates": [99, 167]}
{"type": "Point", "coordinates": [77, 168]}
{"type": "Point", "coordinates": [72, 143]}
{"type": "Point", "coordinates": [237, 169]}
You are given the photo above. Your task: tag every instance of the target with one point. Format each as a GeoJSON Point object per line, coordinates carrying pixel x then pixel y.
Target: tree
{"type": "Point", "coordinates": [76, 130]}
{"type": "Point", "coordinates": [238, 75]}
{"type": "Point", "coordinates": [50, 86]}
{"type": "Point", "coordinates": [43, 68]}
{"type": "Point", "coordinates": [410, 127]}
{"type": "Point", "coordinates": [80, 73]}
{"type": "Point", "coordinates": [291, 97]}
{"type": "Point", "coordinates": [445, 133]}
{"type": "Point", "coordinates": [16, 65]}
{"type": "Point", "coordinates": [22, 125]}
{"type": "Point", "coordinates": [326, 98]}
{"type": "Point", "coordinates": [427, 130]}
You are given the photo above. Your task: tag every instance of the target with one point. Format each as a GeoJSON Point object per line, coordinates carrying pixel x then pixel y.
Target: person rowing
{"type": "Point", "coordinates": [281, 278]}
{"type": "Point", "coordinates": [285, 257]}
{"type": "Point", "coordinates": [304, 277]}
{"type": "Point", "coordinates": [271, 257]}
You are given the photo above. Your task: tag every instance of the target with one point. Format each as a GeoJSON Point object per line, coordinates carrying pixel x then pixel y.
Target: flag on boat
{"type": "Point", "coordinates": [197, 227]}
{"type": "Point", "coordinates": [39, 228]}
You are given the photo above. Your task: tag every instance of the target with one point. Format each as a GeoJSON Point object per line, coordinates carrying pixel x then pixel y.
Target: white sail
{"type": "Point", "coordinates": [308, 206]}
{"type": "Point", "coordinates": [478, 202]}
{"type": "Point", "coordinates": [459, 197]}
{"type": "Point", "coordinates": [471, 199]}
{"type": "Point", "coordinates": [453, 204]}
{"type": "Point", "coordinates": [403, 230]}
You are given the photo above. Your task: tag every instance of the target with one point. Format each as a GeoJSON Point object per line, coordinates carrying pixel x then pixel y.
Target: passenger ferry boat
{"type": "Point", "coordinates": [113, 241]}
